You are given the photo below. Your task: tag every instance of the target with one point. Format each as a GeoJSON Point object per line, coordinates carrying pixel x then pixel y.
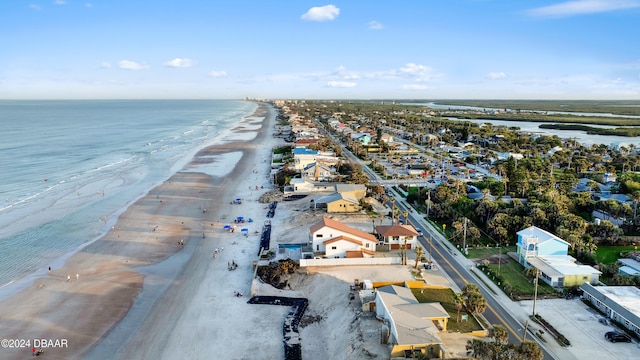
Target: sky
{"type": "Point", "coordinates": [298, 49]}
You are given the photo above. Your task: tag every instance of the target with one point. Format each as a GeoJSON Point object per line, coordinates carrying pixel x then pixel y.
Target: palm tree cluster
{"type": "Point", "coordinates": [473, 299]}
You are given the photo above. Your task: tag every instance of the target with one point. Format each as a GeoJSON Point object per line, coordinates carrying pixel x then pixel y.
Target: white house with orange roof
{"type": "Point", "coordinates": [333, 239]}
{"type": "Point", "coordinates": [397, 235]}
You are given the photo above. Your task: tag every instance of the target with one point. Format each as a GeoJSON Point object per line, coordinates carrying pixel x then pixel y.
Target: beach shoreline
{"type": "Point", "coordinates": [80, 303]}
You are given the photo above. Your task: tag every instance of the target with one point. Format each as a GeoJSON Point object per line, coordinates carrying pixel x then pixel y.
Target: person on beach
{"type": "Point", "coordinates": [49, 269]}
{"type": "Point", "coordinates": [68, 278]}
{"type": "Point", "coordinates": [77, 276]}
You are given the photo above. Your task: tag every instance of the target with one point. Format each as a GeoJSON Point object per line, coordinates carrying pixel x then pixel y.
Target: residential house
{"type": "Point", "coordinates": [336, 203]}
{"type": "Point", "coordinates": [413, 326]}
{"type": "Point", "coordinates": [629, 267]}
{"type": "Point", "coordinates": [306, 186]}
{"type": "Point", "coordinates": [534, 241]}
{"type": "Point", "coordinates": [333, 239]}
{"type": "Point", "coordinates": [397, 235]}
{"type": "Point", "coordinates": [303, 157]}
{"type": "Point", "coordinates": [318, 172]}
{"type": "Point", "coordinates": [386, 138]}
{"type": "Point", "coordinates": [363, 138]}
{"type": "Point", "coordinates": [359, 191]}
{"type": "Point", "coordinates": [618, 303]}
{"type": "Point", "coordinates": [549, 254]}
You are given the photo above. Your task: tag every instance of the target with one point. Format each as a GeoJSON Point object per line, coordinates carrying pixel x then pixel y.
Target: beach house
{"type": "Point", "coordinates": [412, 327]}
{"type": "Point", "coordinates": [333, 239]}
{"type": "Point", "coordinates": [318, 172]}
{"type": "Point", "coordinates": [397, 235]}
{"type": "Point", "coordinates": [549, 254]}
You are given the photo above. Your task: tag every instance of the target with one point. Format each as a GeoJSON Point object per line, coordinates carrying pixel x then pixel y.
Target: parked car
{"type": "Point", "coordinates": [616, 336]}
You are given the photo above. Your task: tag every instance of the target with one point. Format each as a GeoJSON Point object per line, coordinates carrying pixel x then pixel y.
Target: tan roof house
{"type": "Point", "coordinates": [413, 326]}
{"type": "Point", "coordinates": [397, 235]}
{"type": "Point", "coordinates": [333, 239]}
{"type": "Point", "coordinates": [359, 191]}
{"type": "Point", "coordinates": [336, 203]}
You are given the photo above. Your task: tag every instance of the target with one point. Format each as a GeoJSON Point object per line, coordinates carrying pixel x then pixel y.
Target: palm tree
{"type": "Point", "coordinates": [403, 251]}
{"type": "Point", "coordinates": [458, 302]}
{"type": "Point", "coordinates": [531, 351]}
{"type": "Point", "coordinates": [635, 196]}
{"type": "Point", "coordinates": [419, 254]}
{"type": "Point", "coordinates": [499, 334]}
{"type": "Point", "coordinates": [393, 207]}
{"type": "Point", "coordinates": [406, 217]}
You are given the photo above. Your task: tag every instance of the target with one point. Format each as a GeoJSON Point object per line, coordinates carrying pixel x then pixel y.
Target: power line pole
{"type": "Point", "coordinates": [535, 293]}
{"type": "Point", "coordinates": [464, 238]}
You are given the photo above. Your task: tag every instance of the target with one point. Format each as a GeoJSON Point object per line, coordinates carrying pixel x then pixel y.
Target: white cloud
{"type": "Point", "coordinates": [59, 2]}
{"type": "Point", "coordinates": [341, 84]}
{"type": "Point", "coordinates": [105, 65]}
{"type": "Point", "coordinates": [496, 75]}
{"type": "Point", "coordinates": [374, 25]}
{"type": "Point", "coordinates": [35, 7]}
{"type": "Point", "coordinates": [414, 87]}
{"type": "Point", "coordinates": [131, 65]}
{"type": "Point", "coordinates": [321, 13]}
{"type": "Point", "coordinates": [218, 73]}
{"type": "Point", "coordinates": [582, 7]}
{"type": "Point", "coordinates": [179, 63]}
{"type": "Point", "coordinates": [414, 69]}
{"type": "Point", "coordinates": [88, 5]}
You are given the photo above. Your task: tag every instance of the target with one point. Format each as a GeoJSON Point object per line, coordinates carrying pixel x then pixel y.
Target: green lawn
{"type": "Point", "coordinates": [445, 298]}
{"type": "Point", "coordinates": [483, 252]}
{"type": "Point", "coordinates": [609, 254]}
{"type": "Point", "coordinates": [512, 274]}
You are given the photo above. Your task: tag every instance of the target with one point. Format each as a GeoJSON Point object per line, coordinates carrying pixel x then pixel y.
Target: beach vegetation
{"type": "Point", "coordinates": [282, 150]}
{"type": "Point", "coordinates": [274, 273]}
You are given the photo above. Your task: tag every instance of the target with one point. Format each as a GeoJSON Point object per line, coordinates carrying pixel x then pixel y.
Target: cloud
{"type": "Point", "coordinates": [218, 73]}
{"type": "Point", "coordinates": [88, 5]}
{"type": "Point", "coordinates": [582, 7]}
{"type": "Point", "coordinates": [321, 13]}
{"type": "Point", "coordinates": [341, 84]}
{"type": "Point", "coordinates": [105, 65]}
{"type": "Point", "coordinates": [374, 25]}
{"type": "Point", "coordinates": [179, 63]}
{"type": "Point", "coordinates": [59, 2]}
{"type": "Point", "coordinates": [131, 65]}
{"type": "Point", "coordinates": [35, 7]}
{"type": "Point", "coordinates": [496, 75]}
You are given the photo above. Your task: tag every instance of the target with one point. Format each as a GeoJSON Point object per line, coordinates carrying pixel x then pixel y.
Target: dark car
{"type": "Point", "coordinates": [615, 336]}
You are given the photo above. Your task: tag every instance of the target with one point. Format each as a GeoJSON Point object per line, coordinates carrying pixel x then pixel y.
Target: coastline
{"type": "Point", "coordinates": [81, 310]}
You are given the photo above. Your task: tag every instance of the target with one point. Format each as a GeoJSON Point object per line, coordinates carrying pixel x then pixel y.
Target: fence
{"type": "Point", "coordinates": [351, 261]}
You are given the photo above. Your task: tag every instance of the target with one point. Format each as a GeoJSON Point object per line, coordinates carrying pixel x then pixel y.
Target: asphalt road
{"type": "Point", "coordinates": [461, 275]}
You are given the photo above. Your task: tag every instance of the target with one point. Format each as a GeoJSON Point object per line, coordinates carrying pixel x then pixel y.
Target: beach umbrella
{"type": "Point", "coordinates": [227, 227]}
{"type": "Point", "coordinates": [240, 218]}
{"type": "Point", "coordinates": [245, 230]}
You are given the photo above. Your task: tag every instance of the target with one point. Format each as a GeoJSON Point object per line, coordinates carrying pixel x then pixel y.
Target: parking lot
{"type": "Point", "coordinates": [580, 324]}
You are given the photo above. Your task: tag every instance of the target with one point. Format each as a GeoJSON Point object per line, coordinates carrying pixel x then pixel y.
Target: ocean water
{"type": "Point", "coordinates": [69, 168]}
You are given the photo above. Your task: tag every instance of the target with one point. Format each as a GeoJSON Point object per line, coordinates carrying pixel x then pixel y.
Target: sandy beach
{"type": "Point", "coordinates": [79, 304]}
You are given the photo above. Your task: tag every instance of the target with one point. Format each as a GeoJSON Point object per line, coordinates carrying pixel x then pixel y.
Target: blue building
{"type": "Point", "coordinates": [533, 242]}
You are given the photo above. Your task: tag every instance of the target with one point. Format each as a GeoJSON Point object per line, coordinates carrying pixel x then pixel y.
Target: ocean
{"type": "Point", "coordinates": [68, 169]}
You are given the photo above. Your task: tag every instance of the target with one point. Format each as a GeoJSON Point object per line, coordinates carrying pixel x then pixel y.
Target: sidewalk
{"type": "Point", "coordinates": [519, 311]}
